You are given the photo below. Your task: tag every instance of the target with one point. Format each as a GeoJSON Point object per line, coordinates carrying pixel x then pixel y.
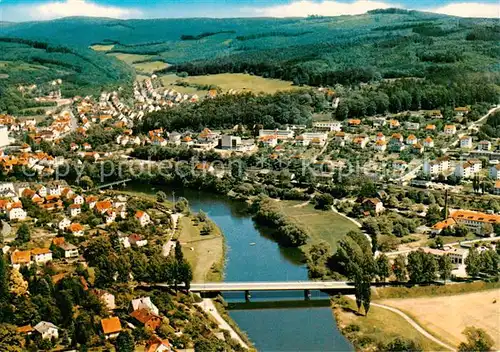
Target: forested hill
{"type": "Point", "coordinates": [314, 50]}
{"type": "Point", "coordinates": [27, 62]}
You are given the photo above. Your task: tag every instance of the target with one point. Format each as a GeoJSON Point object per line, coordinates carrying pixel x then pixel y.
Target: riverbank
{"type": "Point", "coordinates": [205, 252]}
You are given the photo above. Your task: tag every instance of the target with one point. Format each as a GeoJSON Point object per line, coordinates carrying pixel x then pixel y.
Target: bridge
{"type": "Point", "coordinates": [306, 286]}
{"type": "Point", "coordinates": [116, 183]}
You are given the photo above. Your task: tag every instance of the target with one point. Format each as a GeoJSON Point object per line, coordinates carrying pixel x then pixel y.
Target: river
{"type": "Point", "coordinates": [251, 256]}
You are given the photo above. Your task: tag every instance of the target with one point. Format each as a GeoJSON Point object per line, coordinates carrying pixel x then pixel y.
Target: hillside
{"type": "Point", "coordinates": [314, 51]}
{"type": "Point", "coordinates": [27, 62]}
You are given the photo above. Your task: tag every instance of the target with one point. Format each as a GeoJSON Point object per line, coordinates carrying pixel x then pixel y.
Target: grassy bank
{"type": "Point", "coordinates": [321, 225]}
{"type": "Point", "coordinates": [205, 253]}
{"type": "Point", "coordinates": [432, 291]}
{"type": "Point", "coordinates": [377, 328]}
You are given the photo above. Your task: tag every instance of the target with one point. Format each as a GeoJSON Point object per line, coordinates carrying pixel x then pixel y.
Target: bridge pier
{"type": "Point", "coordinates": [247, 296]}
{"type": "Point", "coordinates": [307, 295]}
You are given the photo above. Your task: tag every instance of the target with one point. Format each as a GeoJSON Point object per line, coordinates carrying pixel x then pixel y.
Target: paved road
{"type": "Point", "coordinates": [415, 325]}
{"type": "Point", "coordinates": [266, 286]}
{"type": "Point", "coordinates": [208, 306]}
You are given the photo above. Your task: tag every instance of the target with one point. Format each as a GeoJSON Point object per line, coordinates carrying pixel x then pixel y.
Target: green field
{"type": "Point", "coordinates": [150, 66]}
{"type": "Point", "coordinates": [129, 59]}
{"type": "Point", "coordinates": [321, 225]}
{"type": "Point", "coordinates": [237, 81]}
{"type": "Point", "coordinates": [138, 63]}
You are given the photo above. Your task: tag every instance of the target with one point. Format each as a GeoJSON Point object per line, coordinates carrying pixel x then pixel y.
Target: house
{"type": "Point", "coordinates": [148, 318]}
{"type": "Point", "coordinates": [63, 224]}
{"type": "Point", "coordinates": [106, 298]}
{"type": "Point", "coordinates": [354, 122]}
{"type": "Point", "coordinates": [484, 146]}
{"type": "Point", "coordinates": [329, 126]}
{"type": "Point", "coordinates": [75, 210]}
{"type": "Point", "coordinates": [19, 258]}
{"type": "Point", "coordinates": [436, 167]}
{"type": "Point", "coordinates": [41, 255]}
{"type": "Point", "coordinates": [394, 124]}
{"type": "Point", "coordinates": [430, 127]}
{"type": "Point", "coordinates": [76, 229]}
{"type": "Point", "coordinates": [462, 110]}
{"type": "Point", "coordinates": [68, 250]}
{"type": "Point", "coordinates": [411, 139]}
{"type": "Point", "coordinates": [91, 201]}
{"type": "Point", "coordinates": [435, 114]}
{"type": "Point", "coordinates": [496, 188]}
{"type": "Point", "coordinates": [441, 225]}
{"type": "Point", "coordinates": [17, 214]}
{"type": "Point", "coordinates": [360, 141]}
{"type": "Point", "coordinates": [380, 137]}
{"type": "Point", "coordinates": [429, 142]}
{"type": "Point", "coordinates": [373, 205]}
{"type": "Point", "coordinates": [399, 165]}
{"type": "Point", "coordinates": [417, 148]}
{"type": "Point", "coordinates": [466, 142]}
{"type": "Point", "coordinates": [340, 138]}
{"type": "Point", "coordinates": [103, 206]}
{"type": "Point", "coordinates": [450, 129]}
{"type": "Point", "coordinates": [78, 199]}
{"type": "Point", "coordinates": [412, 126]}
{"type": "Point", "coordinates": [25, 330]}
{"type": "Point", "coordinates": [47, 330]}
{"type": "Point", "coordinates": [380, 146]}
{"type": "Point", "coordinates": [397, 137]}
{"type": "Point", "coordinates": [143, 303]}
{"type": "Point", "coordinates": [143, 217]}
{"type": "Point", "coordinates": [495, 172]}
{"type": "Point", "coordinates": [137, 240]}
{"type": "Point", "coordinates": [156, 344]}
{"type": "Point", "coordinates": [111, 327]}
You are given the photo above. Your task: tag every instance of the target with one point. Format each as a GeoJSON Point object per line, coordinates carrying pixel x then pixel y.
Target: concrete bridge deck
{"type": "Point", "coordinates": [267, 286]}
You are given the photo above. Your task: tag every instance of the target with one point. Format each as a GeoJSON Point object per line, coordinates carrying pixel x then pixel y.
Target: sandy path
{"type": "Point", "coordinates": [208, 306]}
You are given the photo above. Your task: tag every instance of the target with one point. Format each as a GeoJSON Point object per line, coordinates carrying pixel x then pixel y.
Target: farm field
{"type": "Point", "coordinates": [322, 225]}
{"type": "Point", "coordinates": [447, 316]}
{"type": "Point", "coordinates": [238, 81]}
{"type": "Point", "coordinates": [99, 47]}
{"type": "Point", "coordinates": [150, 67]}
{"type": "Point", "coordinates": [375, 326]}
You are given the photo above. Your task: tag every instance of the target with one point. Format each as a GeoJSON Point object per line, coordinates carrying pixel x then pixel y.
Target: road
{"type": "Point", "coordinates": [415, 325]}
{"type": "Point", "coordinates": [208, 307]}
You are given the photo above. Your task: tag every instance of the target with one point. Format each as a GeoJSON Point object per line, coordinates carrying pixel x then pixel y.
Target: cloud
{"type": "Point", "coordinates": [58, 9]}
{"type": "Point", "coordinates": [325, 8]}
{"type": "Point", "coordinates": [469, 9]}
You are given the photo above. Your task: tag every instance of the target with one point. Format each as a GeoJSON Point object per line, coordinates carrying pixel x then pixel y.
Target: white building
{"type": "Point", "coordinates": [495, 172]}
{"type": "Point", "coordinates": [48, 330]}
{"type": "Point", "coordinates": [4, 136]}
{"type": "Point", "coordinates": [436, 167]}
{"type": "Point", "coordinates": [70, 250]}
{"type": "Point", "coordinates": [450, 129]}
{"type": "Point", "coordinates": [17, 214]}
{"type": "Point", "coordinates": [280, 134]}
{"type": "Point", "coordinates": [143, 218]}
{"type": "Point", "coordinates": [328, 126]}
{"type": "Point", "coordinates": [466, 142]}
{"type": "Point", "coordinates": [484, 146]}
{"type": "Point", "coordinates": [308, 138]}
{"type": "Point", "coordinates": [380, 146]}
{"type": "Point", "coordinates": [63, 224]}
{"type": "Point", "coordinates": [41, 255]}
{"type": "Point", "coordinates": [144, 303]}
{"type": "Point", "coordinates": [429, 142]}
{"type": "Point", "coordinates": [75, 210]}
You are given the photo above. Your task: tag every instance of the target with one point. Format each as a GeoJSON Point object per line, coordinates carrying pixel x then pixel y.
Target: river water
{"type": "Point", "coordinates": [251, 256]}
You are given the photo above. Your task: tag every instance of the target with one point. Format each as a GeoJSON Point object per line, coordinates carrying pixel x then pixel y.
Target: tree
{"type": "Point", "coordinates": [383, 268]}
{"type": "Point", "coordinates": [445, 267]}
{"type": "Point", "coordinates": [23, 234]}
{"type": "Point", "coordinates": [10, 340]}
{"type": "Point", "coordinates": [399, 268]}
{"type": "Point", "coordinates": [181, 205]}
{"type": "Point", "coordinates": [4, 278]}
{"type": "Point", "coordinates": [433, 214]}
{"type": "Point", "coordinates": [400, 344]}
{"type": "Point", "coordinates": [161, 197]}
{"type": "Point", "coordinates": [323, 201]}
{"type": "Point", "coordinates": [201, 216]}
{"type": "Point", "coordinates": [86, 182]}
{"type": "Point", "coordinates": [439, 242]}
{"type": "Point", "coordinates": [477, 340]}
{"type": "Point", "coordinates": [473, 263]}
{"type": "Point", "coordinates": [17, 285]}
{"type": "Point", "coordinates": [125, 342]}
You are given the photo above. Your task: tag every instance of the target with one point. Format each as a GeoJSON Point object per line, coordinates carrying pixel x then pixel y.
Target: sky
{"type": "Point", "coordinates": [28, 10]}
